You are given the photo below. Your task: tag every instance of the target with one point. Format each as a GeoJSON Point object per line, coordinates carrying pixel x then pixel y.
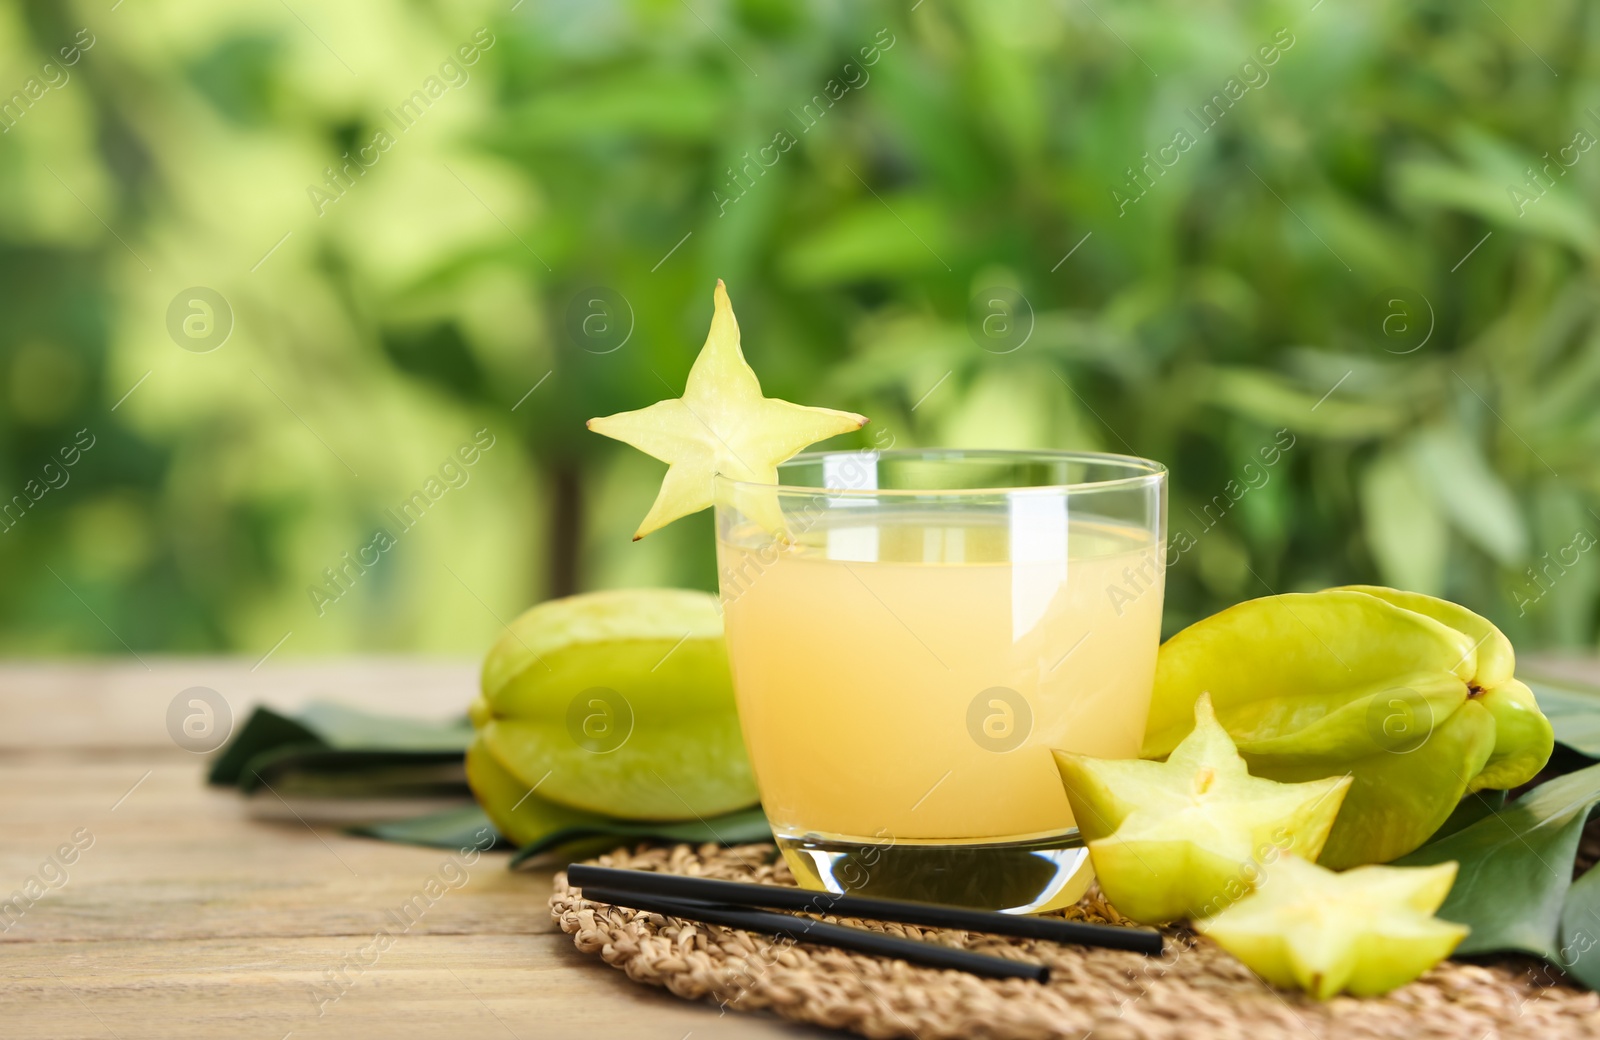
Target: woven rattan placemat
{"type": "Point", "coordinates": [1194, 992]}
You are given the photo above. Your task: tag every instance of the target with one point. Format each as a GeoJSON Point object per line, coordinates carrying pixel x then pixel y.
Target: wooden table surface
{"type": "Point", "coordinates": [186, 916]}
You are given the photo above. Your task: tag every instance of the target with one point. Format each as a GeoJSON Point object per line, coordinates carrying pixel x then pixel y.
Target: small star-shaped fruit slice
{"type": "Point", "coordinates": [721, 424]}
{"type": "Point", "coordinates": [1367, 930]}
{"type": "Point", "coordinates": [1186, 837]}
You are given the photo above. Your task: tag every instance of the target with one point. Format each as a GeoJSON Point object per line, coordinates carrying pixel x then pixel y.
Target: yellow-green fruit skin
{"type": "Point", "coordinates": [1397, 800]}
{"type": "Point", "coordinates": [620, 703]}
{"type": "Point", "coordinates": [1156, 881]}
{"type": "Point", "coordinates": [1347, 681]}
{"type": "Point", "coordinates": [1285, 664]}
{"type": "Point", "coordinates": [520, 816]}
{"type": "Point", "coordinates": [1189, 882]}
{"type": "Point", "coordinates": [1377, 965]}
{"type": "Point", "coordinates": [1524, 738]}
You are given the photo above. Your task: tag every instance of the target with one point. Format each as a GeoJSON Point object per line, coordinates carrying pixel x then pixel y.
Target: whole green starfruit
{"type": "Point", "coordinates": [1185, 837]}
{"type": "Point", "coordinates": [1411, 696]}
{"type": "Point", "coordinates": [618, 703]}
{"type": "Point", "coordinates": [1367, 930]}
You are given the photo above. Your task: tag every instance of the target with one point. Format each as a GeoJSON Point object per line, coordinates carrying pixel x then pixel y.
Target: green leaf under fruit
{"type": "Point", "coordinates": [332, 750]}
{"type": "Point", "coordinates": [459, 828]}
{"type": "Point", "coordinates": [1580, 930]}
{"type": "Point", "coordinates": [1516, 868]}
{"type": "Point", "coordinates": [353, 729]}
{"type": "Point", "coordinates": [735, 828]}
{"type": "Point", "coordinates": [1468, 811]}
{"type": "Point", "coordinates": [264, 730]}
{"type": "Point", "coordinates": [450, 829]}
{"type": "Point", "coordinates": [329, 750]}
{"type": "Point", "coordinates": [1573, 711]}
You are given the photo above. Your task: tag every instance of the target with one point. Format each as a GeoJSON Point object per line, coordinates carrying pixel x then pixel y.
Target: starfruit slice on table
{"type": "Point", "coordinates": [1367, 931]}
{"type": "Point", "coordinates": [1347, 682]}
{"type": "Point", "coordinates": [617, 702]}
{"type": "Point", "coordinates": [1182, 838]}
{"type": "Point", "coordinates": [721, 424]}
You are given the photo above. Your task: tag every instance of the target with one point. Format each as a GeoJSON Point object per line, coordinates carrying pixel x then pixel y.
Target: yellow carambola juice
{"type": "Point", "coordinates": [902, 678]}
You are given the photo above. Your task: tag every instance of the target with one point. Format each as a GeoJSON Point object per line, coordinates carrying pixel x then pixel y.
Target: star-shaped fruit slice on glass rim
{"type": "Point", "coordinates": [721, 424]}
{"type": "Point", "coordinates": [1366, 930]}
{"type": "Point", "coordinates": [1182, 838]}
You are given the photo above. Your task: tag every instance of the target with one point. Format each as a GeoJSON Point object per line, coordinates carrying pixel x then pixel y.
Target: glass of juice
{"type": "Point", "coordinates": [911, 633]}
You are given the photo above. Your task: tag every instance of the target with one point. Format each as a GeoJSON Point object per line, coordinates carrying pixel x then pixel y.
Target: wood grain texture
{"type": "Point", "coordinates": [188, 917]}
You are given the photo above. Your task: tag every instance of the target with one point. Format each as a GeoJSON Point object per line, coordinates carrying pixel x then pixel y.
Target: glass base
{"type": "Point", "coordinates": [1026, 876]}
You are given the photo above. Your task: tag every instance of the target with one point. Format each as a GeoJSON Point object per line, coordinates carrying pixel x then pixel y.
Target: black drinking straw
{"type": "Point", "coordinates": [734, 894]}
{"type": "Point", "coordinates": [820, 933]}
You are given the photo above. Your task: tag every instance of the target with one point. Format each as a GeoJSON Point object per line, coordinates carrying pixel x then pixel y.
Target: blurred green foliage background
{"type": "Point", "coordinates": [1379, 247]}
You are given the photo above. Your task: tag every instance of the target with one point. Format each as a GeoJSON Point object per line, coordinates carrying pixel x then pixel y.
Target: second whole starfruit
{"type": "Point", "coordinates": [1411, 696]}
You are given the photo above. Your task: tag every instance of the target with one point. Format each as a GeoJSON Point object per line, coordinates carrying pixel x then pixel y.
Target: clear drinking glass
{"type": "Point", "coordinates": [912, 632]}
